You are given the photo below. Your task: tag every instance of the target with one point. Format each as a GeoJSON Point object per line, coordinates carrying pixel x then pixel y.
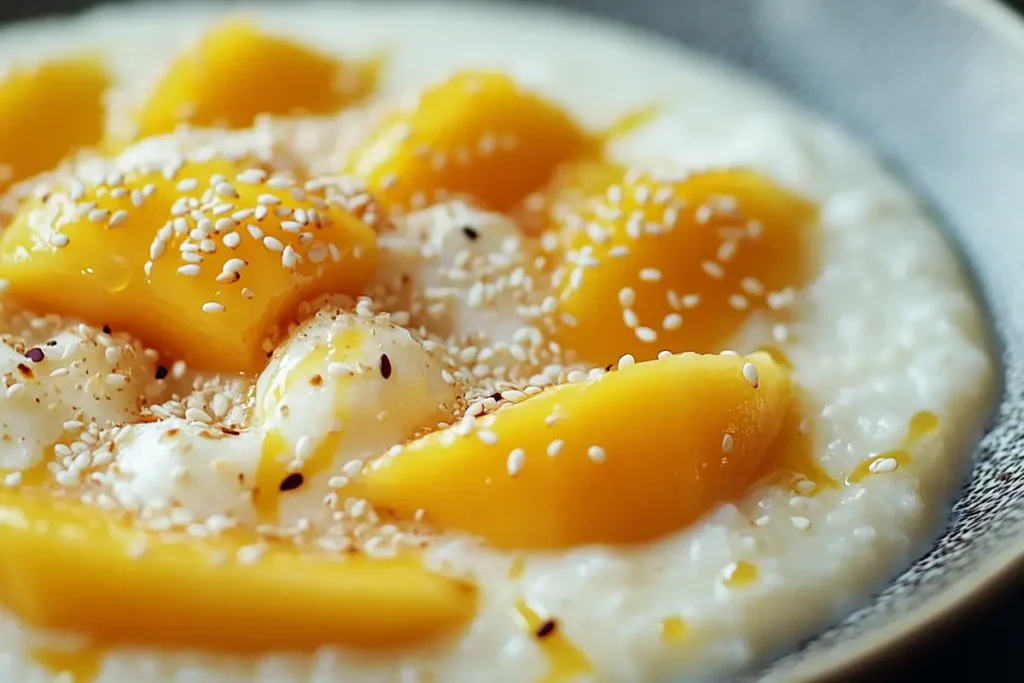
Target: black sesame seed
{"type": "Point", "coordinates": [470, 232]}
{"type": "Point", "coordinates": [385, 366]}
{"type": "Point", "coordinates": [35, 355]}
{"type": "Point", "coordinates": [161, 371]}
{"type": "Point", "coordinates": [608, 368]}
{"type": "Point", "coordinates": [292, 481]}
{"type": "Point", "coordinates": [496, 395]}
{"type": "Point", "coordinates": [106, 329]}
{"type": "Point", "coordinates": [52, 342]}
{"type": "Point", "coordinates": [546, 628]}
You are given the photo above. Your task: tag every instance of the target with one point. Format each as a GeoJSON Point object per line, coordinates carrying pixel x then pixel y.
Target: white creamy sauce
{"type": "Point", "coordinates": [886, 329]}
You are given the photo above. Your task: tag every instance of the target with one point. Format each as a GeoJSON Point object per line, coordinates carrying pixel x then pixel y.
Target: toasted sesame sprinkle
{"type": "Point", "coordinates": [801, 523]}
{"type": "Point", "coordinates": [596, 453]}
{"type": "Point", "coordinates": [750, 374]}
{"type": "Point", "coordinates": [727, 443]}
{"type": "Point", "coordinates": [650, 274]}
{"type": "Point", "coordinates": [515, 462]}
{"type": "Point", "coordinates": [272, 243]}
{"type": "Point", "coordinates": [555, 447]}
{"type": "Point", "coordinates": [190, 270]}
{"type": "Point", "coordinates": [626, 361]}
{"type": "Point", "coordinates": [646, 334]}
{"type": "Point", "coordinates": [59, 240]}
{"type": "Point", "coordinates": [487, 436]}
{"type": "Point", "coordinates": [213, 307]}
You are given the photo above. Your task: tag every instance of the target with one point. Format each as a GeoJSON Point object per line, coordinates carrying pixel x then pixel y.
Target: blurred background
{"type": "Point", "coordinates": [983, 641]}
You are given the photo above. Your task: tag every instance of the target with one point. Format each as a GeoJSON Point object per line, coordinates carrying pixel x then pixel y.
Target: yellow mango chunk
{"type": "Point", "coordinates": [476, 135]}
{"type": "Point", "coordinates": [47, 112]}
{"type": "Point", "coordinates": [639, 453]}
{"type": "Point", "coordinates": [237, 72]}
{"type": "Point", "coordinates": [202, 267]}
{"type": "Point", "coordinates": [679, 265]}
{"type": "Point", "coordinates": [207, 594]}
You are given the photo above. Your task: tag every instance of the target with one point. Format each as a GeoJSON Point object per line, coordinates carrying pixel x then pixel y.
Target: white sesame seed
{"type": "Point", "coordinates": [213, 307]}
{"type": "Point", "coordinates": [187, 185]}
{"type": "Point", "coordinates": [487, 436]}
{"type": "Point", "coordinates": [646, 334]}
{"type": "Point", "coordinates": [627, 297]}
{"type": "Point", "coordinates": [596, 453]}
{"type": "Point", "coordinates": [555, 447]}
{"type": "Point", "coordinates": [750, 374]}
{"type": "Point", "coordinates": [626, 361]}
{"type": "Point", "coordinates": [764, 520]}
{"type": "Point", "coordinates": [883, 465]}
{"type": "Point", "coordinates": [116, 380]}
{"type": "Point", "coordinates": [13, 479]}
{"type": "Point", "coordinates": [801, 523]}
{"type": "Point", "coordinates": [231, 240]}
{"type": "Point", "coordinates": [738, 302]}
{"type": "Point", "coordinates": [672, 321]}
{"type": "Point", "coordinates": [190, 270]}
{"type": "Point", "coordinates": [289, 259]}
{"type": "Point", "coordinates": [713, 270]}
{"type": "Point", "coordinates": [650, 274]}
{"type": "Point", "coordinates": [247, 293]}
{"type": "Point", "coordinates": [118, 218]}
{"type": "Point", "coordinates": [630, 318]}
{"type": "Point", "coordinates": [268, 200]}
{"type": "Point", "coordinates": [98, 215]}
{"type": "Point", "coordinates": [15, 389]}
{"type": "Point", "coordinates": [272, 243]}
{"type": "Point", "coordinates": [515, 462]}
{"type": "Point", "coordinates": [197, 415]}
{"type": "Point", "coordinates": [727, 443]}
{"type": "Point", "coordinates": [291, 226]}
{"type": "Point", "coordinates": [59, 240]}
{"type": "Point", "coordinates": [233, 265]}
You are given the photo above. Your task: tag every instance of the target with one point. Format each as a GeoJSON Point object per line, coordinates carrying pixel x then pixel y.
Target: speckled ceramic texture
{"type": "Point", "coordinates": [935, 88]}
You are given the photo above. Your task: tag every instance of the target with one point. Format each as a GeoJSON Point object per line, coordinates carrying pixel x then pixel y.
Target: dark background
{"type": "Point", "coordinates": [975, 647]}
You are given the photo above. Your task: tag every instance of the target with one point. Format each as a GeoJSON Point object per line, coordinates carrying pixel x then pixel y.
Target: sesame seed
{"type": "Point", "coordinates": [672, 321]}
{"type": "Point", "coordinates": [750, 374]}
{"type": "Point", "coordinates": [764, 520]}
{"type": "Point", "coordinates": [727, 443]}
{"type": "Point", "coordinates": [98, 215]}
{"type": "Point", "coordinates": [515, 462]}
{"type": "Point", "coordinates": [13, 479]}
{"type": "Point", "coordinates": [197, 415]}
{"type": "Point", "coordinates": [187, 185]}
{"type": "Point", "coordinates": [691, 300]}
{"type": "Point", "coordinates": [233, 265]}
{"type": "Point", "coordinates": [646, 334]}
{"type": "Point", "coordinates": [630, 318]}
{"type": "Point", "coordinates": [15, 389]}
{"type": "Point", "coordinates": [190, 270]}
{"type": "Point", "coordinates": [247, 293]}
{"type": "Point", "coordinates": [59, 240]}
{"type": "Point", "coordinates": [627, 297]}
{"type": "Point", "coordinates": [596, 453]}
{"type": "Point", "coordinates": [555, 447]}
{"type": "Point", "coordinates": [626, 361]}
{"type": "Point", "coordinates": [291, 482]}
{"type": "Point", "coordinates": [801, 523]}
{"type": "Point", "coordinates": [291, 226]}
{"type": "Point", "coordinates": [272, 243]}
{"type": "Point", "coordinates": [116, 380]}
{"type": "Point", "coordinates": [650, 274]}
{"type": "Point", "coordinates": [738, 302]}
{"type": "Point", "coordinates": [713, 270]}
{"type": "Point", "coordinates": [289, 258]}
{"type": "Point", "coordinates": [231, 240]}
{"type": "Point", "coordinates": [118, 218]}
{"type": "Point", "coordinates": [883, 465]}
{"type": "Point", "coordinates": [268, 200]}
{"type": "Point", "coordinates": [213, 307]}
{"type": "Point", "coordinates": [487, 436]}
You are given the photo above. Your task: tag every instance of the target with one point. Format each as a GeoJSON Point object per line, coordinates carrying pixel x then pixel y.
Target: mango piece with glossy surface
{"type": "Point", "coordinates": [48, 111]}
{"type": "Point", "coordinates": [219, 595]}
{"type": "Point", "coordinates": [476, 135]}
{"type": "Point", "coordinates": [201, 267]}
{"type": "Point", "coordinates": [639, 453]}
{"type": "Point", "coordinates": [237, 72]}
{"type": "Point", "coordinates": [680, 264]}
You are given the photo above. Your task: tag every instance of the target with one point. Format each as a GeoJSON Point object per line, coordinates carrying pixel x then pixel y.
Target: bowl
{"type": "Point", "coordinates": [930, 86]}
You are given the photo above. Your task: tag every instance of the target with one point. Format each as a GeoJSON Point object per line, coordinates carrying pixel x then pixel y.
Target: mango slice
{"type": "Point", "coordinates": [565, 467]}
{"type": "Point", "coordinates": [237, 72]}
{"type": "Point", "coordinates": [679, 265]}
{"type": "Point", "coordinates": [201, 267]}
{"type": "Point", "coordinates": [476, 135]}
{"type": "Point", "coordinates": [206, 594]}
{"type": "Point", "coordinates": [47, 112]}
